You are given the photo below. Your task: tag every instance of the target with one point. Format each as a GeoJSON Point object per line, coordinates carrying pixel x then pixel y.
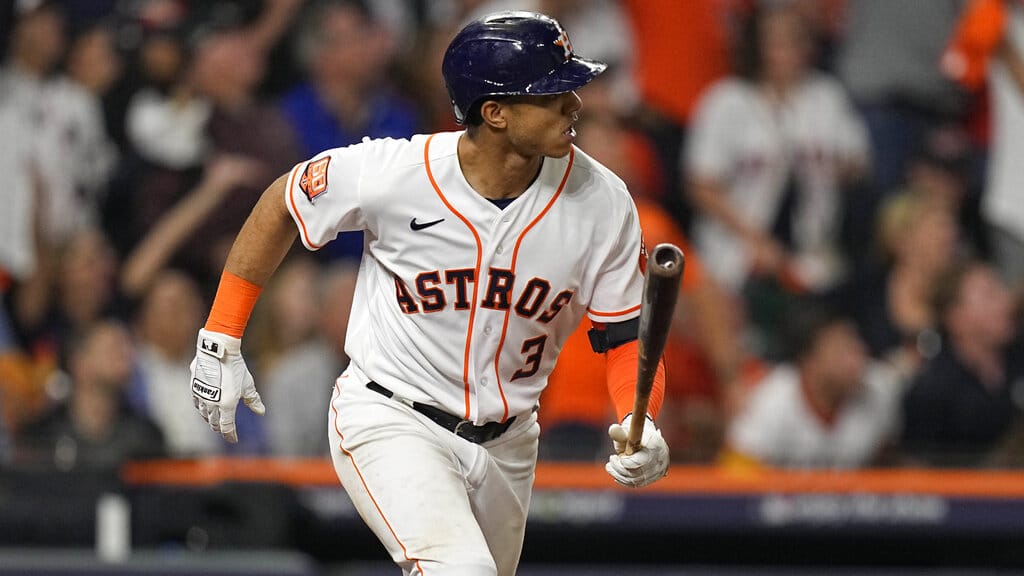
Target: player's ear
{"type": "Point", "coordinates": [494, 114]}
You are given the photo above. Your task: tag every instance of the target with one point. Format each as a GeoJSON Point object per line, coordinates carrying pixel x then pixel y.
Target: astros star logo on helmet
{"type": "Point", "coordinates": [563, 41]}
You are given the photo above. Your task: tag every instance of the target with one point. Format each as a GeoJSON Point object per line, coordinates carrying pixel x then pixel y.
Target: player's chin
{"type": "Point", "coordinates": [560, 146]}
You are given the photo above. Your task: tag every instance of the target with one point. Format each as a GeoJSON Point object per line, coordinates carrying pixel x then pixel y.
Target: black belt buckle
{"type": "Point", "coordinates": [483, 433]}
{"type": "Point", "coordinates": [458, 427]}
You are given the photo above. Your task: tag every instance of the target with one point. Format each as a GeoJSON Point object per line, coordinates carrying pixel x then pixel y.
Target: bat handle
{"type": "Point", "coordinates": [636, 430]}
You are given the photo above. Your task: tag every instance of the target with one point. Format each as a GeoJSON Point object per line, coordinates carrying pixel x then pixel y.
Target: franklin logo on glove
{"type": "Point", "coordinates": [200, 389]}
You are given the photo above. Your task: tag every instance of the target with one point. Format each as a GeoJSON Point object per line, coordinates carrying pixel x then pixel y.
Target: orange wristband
{"type": "Point", "coordinates": [233, 304]}
{"type": "Point", "coordinates": [620, 366]}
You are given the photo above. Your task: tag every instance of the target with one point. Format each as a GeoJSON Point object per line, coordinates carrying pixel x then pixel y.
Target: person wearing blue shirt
{"type": "Point", "coordinates": [345, 54]}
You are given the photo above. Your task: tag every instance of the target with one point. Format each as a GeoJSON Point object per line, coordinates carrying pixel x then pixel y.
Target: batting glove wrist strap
{"type": "Point", "coordinates": [216, 344]}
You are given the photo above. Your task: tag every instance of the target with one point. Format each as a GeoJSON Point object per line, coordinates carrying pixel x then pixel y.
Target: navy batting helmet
{"type": "Point", "coordinates": [511, 54]}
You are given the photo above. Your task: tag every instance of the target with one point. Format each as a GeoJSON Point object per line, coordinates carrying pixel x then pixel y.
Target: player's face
{"type": "Point", "coordinates": [543, 125]}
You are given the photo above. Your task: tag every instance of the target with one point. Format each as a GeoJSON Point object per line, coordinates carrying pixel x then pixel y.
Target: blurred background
{"type": "Point", "coordinates": [845, 371]}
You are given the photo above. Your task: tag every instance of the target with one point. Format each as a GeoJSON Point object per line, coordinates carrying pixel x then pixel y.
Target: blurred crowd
{"type": "Point", "coordinates": [841, 175]}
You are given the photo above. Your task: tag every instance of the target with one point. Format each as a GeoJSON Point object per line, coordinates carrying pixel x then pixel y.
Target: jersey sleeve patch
{"type": "Point", "coordinates": [313, 182]}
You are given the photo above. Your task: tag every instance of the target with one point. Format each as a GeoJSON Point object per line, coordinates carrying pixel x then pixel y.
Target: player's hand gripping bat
{"type": "Point", "coordinates": [661, 290]}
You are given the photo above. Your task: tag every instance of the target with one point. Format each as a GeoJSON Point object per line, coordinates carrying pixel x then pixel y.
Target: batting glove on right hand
{"type": "Point", "coordinates": [219, 379]}
{"type": "Point", "coordinates": [640, 468]}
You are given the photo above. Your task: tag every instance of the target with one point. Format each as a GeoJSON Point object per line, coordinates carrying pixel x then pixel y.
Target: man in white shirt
{"type": "Point", "coordinates": [831, 407]}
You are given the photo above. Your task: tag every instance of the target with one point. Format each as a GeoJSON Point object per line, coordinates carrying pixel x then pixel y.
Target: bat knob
{"type": "Point", "coordinates": [667, 256]}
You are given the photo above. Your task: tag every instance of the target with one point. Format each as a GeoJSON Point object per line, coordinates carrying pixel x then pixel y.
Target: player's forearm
{"type": "Point", "coordinates": [265, 238]}
{"type": "Point", "coordinates": [621, 372]}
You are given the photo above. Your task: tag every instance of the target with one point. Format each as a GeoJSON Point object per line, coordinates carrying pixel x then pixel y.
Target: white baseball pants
{"type": "Point", "coordinates": [440, 504]}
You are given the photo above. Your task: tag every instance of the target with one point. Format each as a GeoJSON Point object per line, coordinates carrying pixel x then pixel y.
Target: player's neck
{"type": "Point", "coordinates": [495, 171]}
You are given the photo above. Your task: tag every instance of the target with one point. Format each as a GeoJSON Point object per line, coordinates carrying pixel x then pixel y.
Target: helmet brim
{"type": "Point", "coordinates": [575, 73]}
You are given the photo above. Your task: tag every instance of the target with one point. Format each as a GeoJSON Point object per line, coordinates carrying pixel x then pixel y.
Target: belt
{"type": "Point", "coordinates": [461, 428]}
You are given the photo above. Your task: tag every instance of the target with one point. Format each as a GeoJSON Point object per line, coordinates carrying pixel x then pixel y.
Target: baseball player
{"type": "Point", "coordinates": [483, 250]}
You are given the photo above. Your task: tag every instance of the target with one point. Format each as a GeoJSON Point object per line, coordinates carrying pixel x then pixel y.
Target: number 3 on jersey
{"type": "Point", "coordinates": [532, 359]}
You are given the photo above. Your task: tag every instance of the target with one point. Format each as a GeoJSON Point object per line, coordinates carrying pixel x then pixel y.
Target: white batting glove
{"type": "Point", "coordinates": [640, 468]}
{"type": "Point", "coordinates": [219, 379]}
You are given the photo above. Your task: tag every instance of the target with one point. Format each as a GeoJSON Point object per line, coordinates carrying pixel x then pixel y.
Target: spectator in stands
{"type": "Point", "coordinates": [939, 167]}
{"type": "Point", "coordinates": [226, 69]}
{"type": "Point", "coordinates": [79, 291]}
{"type": "Point", "coordinates": [75, 131]}
{"type": "Point", "coordinates": [769, 154]}
{"type": "Point", "coordinates": [36, 45]}
{"type": "Point", "coordinates": [165, 325]}
{"type": "Point", "coordinates": [830, 406]}
{"type": "Point", "coordinates": [889, 60]}
{"type": "Point", "coordinates": [93, 429]}
{"type": "Point", "coordinates": [949, 166]}
{"type": "Point", "coordinates": [164, 126]}
{"type": "Point", "coordinates": [165, 121]}
{"type": "Point", "coordinates": [294, 360]}
{"type": "Point", "coordinates": [166, 118]}
{"type": "Point", "coordinates": [965, 400]}
{"type": "Point", "coordinates": [346, 55]}
{"type": "Point", "coordinates": [71, 156]}
{"type": "Point", "coordinates": [681, 48]}
{"type": "Point", "coordinates": [891, 298]}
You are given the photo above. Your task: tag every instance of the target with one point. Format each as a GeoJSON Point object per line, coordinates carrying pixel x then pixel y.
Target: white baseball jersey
{"type": "Point", "coordinates": [748, 144]}
{"type": "Point", "coordinates": [459, 303]}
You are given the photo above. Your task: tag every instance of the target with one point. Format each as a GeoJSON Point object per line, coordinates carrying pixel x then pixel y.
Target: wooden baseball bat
{"type": "Point", "coordinates": [664, 272]}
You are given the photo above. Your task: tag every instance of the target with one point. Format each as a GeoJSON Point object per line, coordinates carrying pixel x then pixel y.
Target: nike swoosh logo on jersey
{"type": "Point", "coordinates": [420, 226]}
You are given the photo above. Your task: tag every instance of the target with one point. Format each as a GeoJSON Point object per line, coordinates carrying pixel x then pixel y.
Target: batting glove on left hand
{"type": "Point", "coordinates": [219, 379]}
{"type": "Point", "coordinates": [640, 468]}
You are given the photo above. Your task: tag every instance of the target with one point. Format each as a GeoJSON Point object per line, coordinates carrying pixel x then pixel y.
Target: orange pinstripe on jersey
{"type": "Point", "coordinates": [295, 209]}
{"type": "Point", "coordinates": [515, 255]}
{"type": "Point", "coordinates": [609, 314]}
{"type": "Point", "coordinates": [359, 472]}
{"type": "Point", "coordinates": [476, 269]}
